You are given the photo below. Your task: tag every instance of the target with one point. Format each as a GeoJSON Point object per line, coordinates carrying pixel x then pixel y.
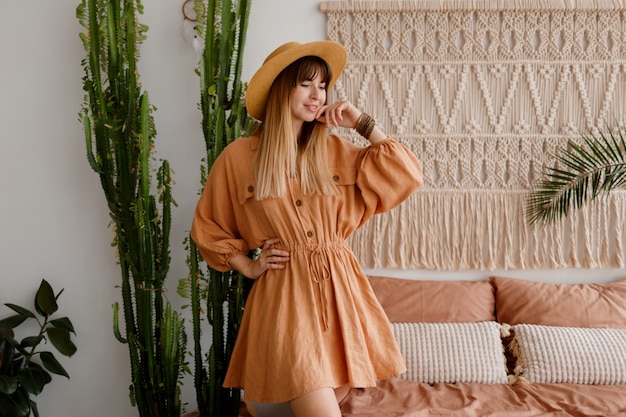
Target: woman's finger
{"type": "Point", "coordinates": [269, 243]}
{"type": "Point", "coordinates": [272, 258]}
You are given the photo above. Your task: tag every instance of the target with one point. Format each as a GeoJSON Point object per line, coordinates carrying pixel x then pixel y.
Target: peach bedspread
{"type": "Point", "coordinates": [399, 398]}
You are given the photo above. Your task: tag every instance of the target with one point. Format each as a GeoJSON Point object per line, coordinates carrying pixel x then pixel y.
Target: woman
{"type": "Point", "coordinates": [312, 326]}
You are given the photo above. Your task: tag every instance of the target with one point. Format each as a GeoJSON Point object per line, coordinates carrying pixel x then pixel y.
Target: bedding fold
{"type": "Point", "coordinates": [399, 398]}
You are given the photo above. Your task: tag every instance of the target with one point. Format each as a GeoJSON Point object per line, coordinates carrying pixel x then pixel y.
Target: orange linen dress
{"type": "Point", "coordinates": [316, 323]}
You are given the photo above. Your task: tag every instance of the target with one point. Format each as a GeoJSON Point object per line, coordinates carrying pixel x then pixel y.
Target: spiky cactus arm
{"type": "Point", "coordinates": [119, 135]}
{"type": "Point", "coordinates": [223, 25]}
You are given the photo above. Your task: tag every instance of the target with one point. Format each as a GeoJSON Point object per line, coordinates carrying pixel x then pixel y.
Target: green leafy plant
{"type": "Point", "coordinates": [119, 134]}
{"type": "Point", "coordinates": [585, 172]}
{"type": "Point", "coordinates": [222, 25]}
{"type": "Point", "coordinates": [25, 370]}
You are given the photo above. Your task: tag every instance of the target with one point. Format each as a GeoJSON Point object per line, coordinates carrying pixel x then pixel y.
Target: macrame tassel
{"type": "Point", "coordinates": [505, 330]}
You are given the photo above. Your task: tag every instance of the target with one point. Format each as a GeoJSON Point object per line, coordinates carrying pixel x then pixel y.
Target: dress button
{"type": "Point", "coordinates": [336, 178]}
{"type": "Point", "coordinates": [309, 233]}
{"type": "Point", "coordinates": [250, 188]}
{"type": "Point", "coordinates": [298, 203]}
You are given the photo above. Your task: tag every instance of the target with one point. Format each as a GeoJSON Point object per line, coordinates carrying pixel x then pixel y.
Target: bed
{"type": "Point", "coordinates": [501, 347]}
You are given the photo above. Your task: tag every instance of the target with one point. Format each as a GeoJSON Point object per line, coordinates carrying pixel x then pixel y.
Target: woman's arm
{"type": "Point", "coordinates": [377, 136]}
{"type": "Point", "coordinates": [345, 114]}
{"type": "Point", "coordinates": [269, 258]}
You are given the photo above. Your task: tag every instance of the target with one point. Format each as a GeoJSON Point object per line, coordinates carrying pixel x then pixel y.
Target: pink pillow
{"type": "Point", "coordinates": [412, 301]}
{"type": "Point", "coordinates": [567, 305]}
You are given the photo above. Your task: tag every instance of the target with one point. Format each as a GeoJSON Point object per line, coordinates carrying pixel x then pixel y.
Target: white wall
{"type": "Point", "coordinates": [53, 221]}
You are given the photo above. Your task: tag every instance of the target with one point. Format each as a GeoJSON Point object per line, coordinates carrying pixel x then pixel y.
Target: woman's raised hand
{"type": "Point", "coordinates": [343, 113]}
{"type": "Point", "coordinates": [340, 113]}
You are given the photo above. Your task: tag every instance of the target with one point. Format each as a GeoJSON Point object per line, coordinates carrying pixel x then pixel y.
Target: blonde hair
{"type": "Point", "coordinates": [282, 156]}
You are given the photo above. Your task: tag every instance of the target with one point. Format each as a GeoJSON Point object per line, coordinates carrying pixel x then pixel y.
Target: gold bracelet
{"type": "Point", "coordinates": [365, 125]}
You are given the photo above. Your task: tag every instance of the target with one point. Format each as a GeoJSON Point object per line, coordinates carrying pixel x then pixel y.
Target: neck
{"type": "Point", "coordinates": [297, 129]}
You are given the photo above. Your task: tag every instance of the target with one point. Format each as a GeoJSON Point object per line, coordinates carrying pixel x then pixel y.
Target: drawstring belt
{"type": "Point", "coordinates": [319, 270]}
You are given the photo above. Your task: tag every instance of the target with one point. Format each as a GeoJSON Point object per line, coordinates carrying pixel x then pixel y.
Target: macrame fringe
{"type": "Point", "coordinates": [487, 230]}
{"type": "Point", "coordinates": [469, 5]}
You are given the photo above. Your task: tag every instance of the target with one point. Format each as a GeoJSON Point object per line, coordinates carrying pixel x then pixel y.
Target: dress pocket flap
{"type": "Point", "coordinates": [344, 175]}
{"type": "Point", "coordinates": [245, 192]}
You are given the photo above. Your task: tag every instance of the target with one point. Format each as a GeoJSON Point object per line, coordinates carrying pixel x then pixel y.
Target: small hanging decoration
{"type": "Point", "coordinates": [189, 32]}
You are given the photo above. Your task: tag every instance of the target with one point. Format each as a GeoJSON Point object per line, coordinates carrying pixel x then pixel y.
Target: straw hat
{"type": "Point", "coordinates": [258, 89]}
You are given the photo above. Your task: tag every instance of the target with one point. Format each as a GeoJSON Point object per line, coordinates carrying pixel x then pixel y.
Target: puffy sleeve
{"type": "Point", "coordinates": [215, 230]}
{"type": "Point", "coordinates": [387, 174]}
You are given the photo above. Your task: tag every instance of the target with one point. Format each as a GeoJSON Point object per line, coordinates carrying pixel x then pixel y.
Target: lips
{"type": "Point", "coordinates": [312, 108]}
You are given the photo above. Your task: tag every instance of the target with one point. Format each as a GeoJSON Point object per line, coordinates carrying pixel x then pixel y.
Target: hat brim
{"type": "Point", "coordinates": [259, 86]}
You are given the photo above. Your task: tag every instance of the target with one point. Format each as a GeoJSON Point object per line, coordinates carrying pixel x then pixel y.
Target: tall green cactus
{"type": "Point", "coordinates": [119, 134]}
{"type": "Point", "coordinates": [222, 25]}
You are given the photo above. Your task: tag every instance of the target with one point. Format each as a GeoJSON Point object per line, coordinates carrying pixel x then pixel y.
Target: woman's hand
{"type": "Point", "coordinates": [343, 113]}
{"type": "Point", "coordinates": [269, 258]}
{"type": "Point", "coordinates": [340, 113]}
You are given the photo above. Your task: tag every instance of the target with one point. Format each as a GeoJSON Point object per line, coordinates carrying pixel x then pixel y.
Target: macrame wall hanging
{"type": "Point", "coordinates": [483, 92]}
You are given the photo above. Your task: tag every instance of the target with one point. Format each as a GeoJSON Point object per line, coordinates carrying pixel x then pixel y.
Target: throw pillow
{"type": "Point", "coordinates": [452, 352]}
{"type": "Point", "coordinates": [551, 354]}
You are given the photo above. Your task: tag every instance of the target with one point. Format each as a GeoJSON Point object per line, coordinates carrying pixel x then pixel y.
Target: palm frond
{"type": "Point", "coordinates": [587, 171]}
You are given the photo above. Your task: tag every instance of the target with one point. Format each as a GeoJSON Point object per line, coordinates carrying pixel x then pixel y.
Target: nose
{"type": "Point", "coordinates": [317, 92]}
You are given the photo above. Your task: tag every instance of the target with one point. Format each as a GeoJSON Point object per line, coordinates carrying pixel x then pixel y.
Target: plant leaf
{"type": "Point", "coordinates": [60, 338]}
{"type": "Point", "coordinates": [33, 379]}
{"type": "Point", "coordinates": [16, 404]}
{"type": "Point", "coordinates": [52, 364]}
{"type": "Point", "coordinates": [21, 310]}
{"type": "Point", "coordinates": [12, 321]}
{"type": "Point", "coordinates": [7, 353]}
{"type": "Point", "coordinates": [31, 341]}
{"type": "Point", "coordinates": [8, 384]}
{"type": "Point", "coordinates": [45, 302]}
{"type": "Point", "coordinates": [63, 323]}
{"type": "Point", "coordinates": [589, 171]}
{"type": "Point", "coordinates": [6, 333]}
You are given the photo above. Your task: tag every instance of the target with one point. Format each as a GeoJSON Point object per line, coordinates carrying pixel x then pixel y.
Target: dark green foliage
{"type": "Point", "coordinates": [585, 172]}
{"type": "Point", "coordinates": [119, 135]}
{"type": "Point", "coordinates": [221, 295]}
{"type": "Point", "coordinates": [24, 370]}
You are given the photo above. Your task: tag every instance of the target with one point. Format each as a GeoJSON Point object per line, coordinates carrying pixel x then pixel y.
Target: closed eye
{"type": "Point", "coordinates": [308, 84]}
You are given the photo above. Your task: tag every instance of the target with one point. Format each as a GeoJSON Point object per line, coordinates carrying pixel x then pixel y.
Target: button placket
{"type": "Point", "coordinates": [302, 212]}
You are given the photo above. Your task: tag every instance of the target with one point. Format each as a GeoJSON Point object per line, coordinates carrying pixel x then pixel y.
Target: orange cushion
{"type": "Point", "coordinates": [412, 301]}
{"type": "Point", "coordinates": [568, 305]}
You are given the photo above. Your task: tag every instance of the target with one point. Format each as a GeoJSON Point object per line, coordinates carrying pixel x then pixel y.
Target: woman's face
{"type": "Point", "coordinates": [306, 99]}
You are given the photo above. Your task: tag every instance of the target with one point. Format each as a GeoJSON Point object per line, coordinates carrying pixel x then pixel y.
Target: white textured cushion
{"type": "Point", "coordinates": [452, 352]}
{"type": "Point", "coordinates": [550, 354]}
